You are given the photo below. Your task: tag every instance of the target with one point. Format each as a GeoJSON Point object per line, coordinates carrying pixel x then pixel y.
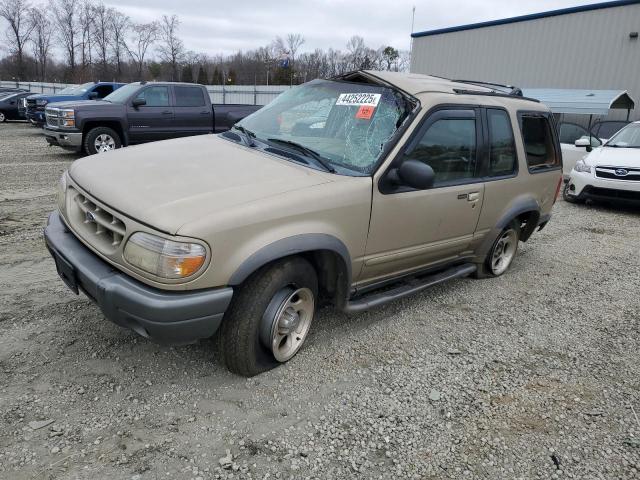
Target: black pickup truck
{"type": "Point", "coordinates": [137, 113]}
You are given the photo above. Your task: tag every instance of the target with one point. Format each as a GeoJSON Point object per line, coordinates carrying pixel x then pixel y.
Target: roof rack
{"type": "Point", "coordinates": [497, 87]}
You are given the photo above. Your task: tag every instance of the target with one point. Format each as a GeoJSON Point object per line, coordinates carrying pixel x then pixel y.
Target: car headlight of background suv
{"type": "Point", "coordinates": [164, 258]}
{"type": "Point", "coordinates": [582, 167]}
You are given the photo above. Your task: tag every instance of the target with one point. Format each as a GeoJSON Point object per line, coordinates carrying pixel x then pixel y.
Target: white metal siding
{"type": "Point", "coordinates": [578, 50]}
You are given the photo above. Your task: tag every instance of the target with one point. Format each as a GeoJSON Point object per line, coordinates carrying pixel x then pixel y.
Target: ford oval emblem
{"type": "Point", "coordinates": [621, 172]}
{"type": "Point", "coordinates": [89, 217]}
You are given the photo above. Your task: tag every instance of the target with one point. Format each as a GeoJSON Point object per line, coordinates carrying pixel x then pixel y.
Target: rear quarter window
{"type": "Point", "coordinates": [539, 142]}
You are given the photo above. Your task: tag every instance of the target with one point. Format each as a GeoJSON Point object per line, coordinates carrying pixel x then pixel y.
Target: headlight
{"type": "Point", "coordinates": [42, 102]}
{"type": "Point", "coordinates": [582, 167]}
{"type": "Point", "coordinates": [67, 118]}
{"type": "Point", "coordinates": [62, 191]}
{"type": "Point", "coordinates": [164, 258]}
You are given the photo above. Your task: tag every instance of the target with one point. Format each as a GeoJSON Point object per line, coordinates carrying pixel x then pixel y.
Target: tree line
{"type": "Point", "coordinates": [75, 41]}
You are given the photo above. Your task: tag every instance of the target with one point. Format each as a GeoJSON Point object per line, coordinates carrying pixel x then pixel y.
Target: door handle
{"type": "Point", "coordinates": [167, 112]}
{"type": "Point", "coordinates": [204, 113]}
{"type": "Point", "coordinates": [473, 196]}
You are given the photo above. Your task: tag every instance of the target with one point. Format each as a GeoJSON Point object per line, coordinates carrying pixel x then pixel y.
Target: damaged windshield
{"type": "Point", "coordinates": [341, 126]}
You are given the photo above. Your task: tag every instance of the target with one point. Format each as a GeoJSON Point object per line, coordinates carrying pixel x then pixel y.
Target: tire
{"type": "Point", "coordinates": [104, 136]}
{"type": "Point", "coordinates": [567, 197]}
{"type": "Point", "coordinates": [248, 333]}
{"type": "Point", "coordinates": [3, 117]}
{"type": "Point", "coordinates": [488, 268]}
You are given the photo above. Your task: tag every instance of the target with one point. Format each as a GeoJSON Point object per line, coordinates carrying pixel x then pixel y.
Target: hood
{"type": "Point", "coordinates": [168, 184]}
{"type": "Point", "coordinates": [61, 98]}
{"type": "Point", "coordinates": [614, 157]}
{"type": "Point", "coordinates": [78, 103]}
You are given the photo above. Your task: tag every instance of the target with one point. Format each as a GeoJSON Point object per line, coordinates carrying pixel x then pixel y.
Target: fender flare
{"type": "Point", "coordinates": [290, 246]}
{"type": "Point", "coordinates": [520, 206]}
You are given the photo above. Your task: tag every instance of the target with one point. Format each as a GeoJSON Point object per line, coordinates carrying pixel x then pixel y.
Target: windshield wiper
{"type": "Point", "coordinates": [305, 150]}
{"type": "Point", "coordinates": [248, 135]}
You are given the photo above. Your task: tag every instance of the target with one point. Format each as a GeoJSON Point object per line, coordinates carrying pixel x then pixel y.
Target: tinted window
{"type": "Point", "coordinates": [502, 153]}
{"type": "Point", "coordinates": [449, 147]}
{"type": "Point", "coordinates": [189, 97]}
{"type": "Point", "coordinates": [538, 142]}
{"type": "Point", "coordinates": [103, 90]}
{"type": "Point", "coordinates": [570, 132]}
{"type": "Point", "coordinates": [155, 96]}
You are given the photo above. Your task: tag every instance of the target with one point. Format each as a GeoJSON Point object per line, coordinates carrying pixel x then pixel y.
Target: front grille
{"type": "Point", "coordinates": [53, 117]}
{"type": "Point", "coordinates": [631, 175]}
{"type": "Point", "coordinates": [97, 225]}
{"type": "Point", "coordinates": [611, 194]}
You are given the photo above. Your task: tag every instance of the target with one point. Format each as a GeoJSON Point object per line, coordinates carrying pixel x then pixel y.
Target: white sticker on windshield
{"type": "Point", "coordinates": [359, 99]}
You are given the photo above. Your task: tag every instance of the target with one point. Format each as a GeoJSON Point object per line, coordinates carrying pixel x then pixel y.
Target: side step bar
{"type": "Point", "coordinates": [414, 285]}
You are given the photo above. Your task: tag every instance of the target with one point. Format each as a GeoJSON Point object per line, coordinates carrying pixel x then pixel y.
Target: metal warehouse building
{"type": "Point", "coordinates": [588, 47]}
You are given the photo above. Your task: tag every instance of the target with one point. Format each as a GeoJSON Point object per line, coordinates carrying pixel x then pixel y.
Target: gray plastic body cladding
{"type": "Point", "coordinates": [166, 317]}
{"type": "Point", "coordinates": [519, 207]}
{"type": "Point", "coordinates": [291, 246]}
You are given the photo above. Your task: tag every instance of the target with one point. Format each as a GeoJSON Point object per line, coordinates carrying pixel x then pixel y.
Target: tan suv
{"type": "Point", "coordinates": [355, 191]}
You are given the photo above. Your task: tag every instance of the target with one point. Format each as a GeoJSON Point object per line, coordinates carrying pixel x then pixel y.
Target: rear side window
{"type": "Point", "coordinates": [449, 147]}
{"type": "Point", "coordinates": [103, 90]}
{"type": "Point", "coordinates": [502, 147]}
{"type": "Point", "coordinates": [189, 97]}
{"type": "Point", "coordinates": [537, 136]}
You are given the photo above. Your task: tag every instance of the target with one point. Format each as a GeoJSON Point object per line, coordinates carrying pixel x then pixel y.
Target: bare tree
{"type": "Point", "coordinates": [119, 25]}
{"type": "Point", "coordinates": [144, 35]}
{"type": "Point", "coordinates": [102, 32]}
{"type": "Point", "coordinates": [294, 42]}
{"type": "Point", "coordinates": [65, 13]}
{"type": "Point", "coordinates": [15, 12]}
{"type": "Point", "coordinates": [41, 41]}
{"type": "Point", "coordinates": [171, 49]}
{"type": "Point", "coordinates": [85, 24]}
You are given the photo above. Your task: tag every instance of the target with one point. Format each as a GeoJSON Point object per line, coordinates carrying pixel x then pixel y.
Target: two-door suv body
{"type": "Point", "coordinates": [355, 191]}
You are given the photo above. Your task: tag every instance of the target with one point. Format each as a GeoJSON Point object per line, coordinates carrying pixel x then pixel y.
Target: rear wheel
{"type": "Point", "coordinates": [101, 140]}
{"type": "Point", "coordinates": [502, 252]}
{"type": "Point", "coordinates": [269, 317]}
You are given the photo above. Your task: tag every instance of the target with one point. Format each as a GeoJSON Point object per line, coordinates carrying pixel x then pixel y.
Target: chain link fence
{"type": "Point", "coordinates": [220, 94]}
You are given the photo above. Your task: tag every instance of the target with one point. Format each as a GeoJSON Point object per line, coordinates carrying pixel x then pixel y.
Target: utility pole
{"type": "Point", "coordinates": [413, 18]}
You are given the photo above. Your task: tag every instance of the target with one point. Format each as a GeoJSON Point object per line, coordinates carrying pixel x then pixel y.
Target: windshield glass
{"type": "Point", "coordinates": [76, 90]}
{"type": "Point", "coordinates": [122, 94]}
{"type": "Point", "coordinates": [346, 124]}
{"type": "Point", "coordinates": [66, 90]}
{"type": "Point", "coordinates": [628, 137]}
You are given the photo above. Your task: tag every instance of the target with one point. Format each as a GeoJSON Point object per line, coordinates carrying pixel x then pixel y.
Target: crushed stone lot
{"type": "Point", "coordinates": [535, 374]}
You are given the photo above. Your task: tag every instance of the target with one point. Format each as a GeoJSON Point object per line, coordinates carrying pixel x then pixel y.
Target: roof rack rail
{"type": "Point", "coordinates": [505, 89]}
{"type": "Point", "coordinates": [461, 91]}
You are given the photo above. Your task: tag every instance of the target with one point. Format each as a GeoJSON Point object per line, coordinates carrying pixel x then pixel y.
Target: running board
{"type": "Point", "coordinates": [410, 287]}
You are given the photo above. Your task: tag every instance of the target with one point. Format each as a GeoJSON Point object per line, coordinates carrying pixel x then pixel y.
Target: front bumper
{"type": "Point", "coordinates": [166, 317]}
{"type": "Point", "coordinates": [37, 117]}
{"type": "Point", "coordinates": [70, 140]}
{"type": "Point", "coordinates": [586, 186]}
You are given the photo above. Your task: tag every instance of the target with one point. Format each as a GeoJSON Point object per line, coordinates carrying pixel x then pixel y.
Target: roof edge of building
{"type": "Point", "coordinates": [524, 18]}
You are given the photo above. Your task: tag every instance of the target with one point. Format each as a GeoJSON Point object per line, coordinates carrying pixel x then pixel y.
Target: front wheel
{"type": "Point", "coordinates": [269, 317]}
{"type": "Point", "coordinates": [3, 117]}
{"type": "Point", "coordinates": [101, 140]}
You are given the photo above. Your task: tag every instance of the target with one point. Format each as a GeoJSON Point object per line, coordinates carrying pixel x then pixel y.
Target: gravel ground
{"type": "Point", "coordinates": [532, 375]}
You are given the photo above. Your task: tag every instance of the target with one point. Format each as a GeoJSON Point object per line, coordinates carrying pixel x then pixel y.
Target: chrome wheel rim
{"type": "Point", "coordinates": [2, 117]}
{"type": "Point", "coordinates": [504, 251]}
{"type": "Point", "coordinates": [291, 324]}
{"type": "Point", "coordinates": [104, 143]}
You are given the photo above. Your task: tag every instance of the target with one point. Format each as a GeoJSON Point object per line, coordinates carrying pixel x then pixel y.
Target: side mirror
{"type": "Point", "coordinates": [138, 102]}
{"type": "Point", "coordinates": [93, 95]}
{"type": "Point", "coordinates": [583, 142]}
{"type": "Point", "coordinates": [414, 174]}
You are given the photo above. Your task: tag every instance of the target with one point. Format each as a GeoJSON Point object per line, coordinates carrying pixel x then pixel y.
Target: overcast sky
{"type": "Point", "coordinates": [227, 26]}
